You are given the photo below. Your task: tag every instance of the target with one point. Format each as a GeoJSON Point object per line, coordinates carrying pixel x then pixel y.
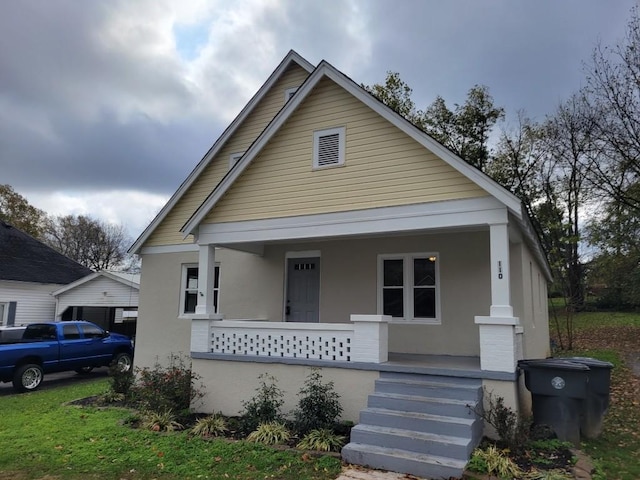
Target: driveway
{"type": "Point", "coordinates": [53, 380]}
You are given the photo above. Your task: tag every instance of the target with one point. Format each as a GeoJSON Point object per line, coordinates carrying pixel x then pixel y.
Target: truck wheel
{"type": "Point", "coordinates": [123, 361]}
{"type": "Point", "coordinates": [84, 370]}
{"type": "Point", "coordinates": [27, 377]}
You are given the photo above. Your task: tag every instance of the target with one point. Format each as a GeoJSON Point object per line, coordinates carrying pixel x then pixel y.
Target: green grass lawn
{"type": "Point", "coordinates": [41, 437]}
{"type": "Point", "coordinates": [614, 337]}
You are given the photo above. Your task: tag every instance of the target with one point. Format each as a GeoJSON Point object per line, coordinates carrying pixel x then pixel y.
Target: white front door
{"type": "Point", "coordinates": [303, 290]}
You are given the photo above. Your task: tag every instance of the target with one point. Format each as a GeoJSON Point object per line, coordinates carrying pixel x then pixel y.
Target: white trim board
{"type": "Point", "coordinates": [387, 220]}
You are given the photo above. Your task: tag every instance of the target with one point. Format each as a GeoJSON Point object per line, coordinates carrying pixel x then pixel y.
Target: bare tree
{"type": "Point", "coordinates": [613, 90]}
{"type": "Point", "coordinates": [95, 244]}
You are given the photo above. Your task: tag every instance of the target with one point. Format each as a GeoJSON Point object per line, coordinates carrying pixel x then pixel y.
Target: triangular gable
{"type": "Point", "coordinates": [291, 57]}
{"type": "Point", "coordinates": [323, 70]}
{"type": "Point", "coordinates": [127, 279]}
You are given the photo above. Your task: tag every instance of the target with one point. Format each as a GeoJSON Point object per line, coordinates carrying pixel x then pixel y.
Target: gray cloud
{"type": "Point", "coordinates": [95, 96]}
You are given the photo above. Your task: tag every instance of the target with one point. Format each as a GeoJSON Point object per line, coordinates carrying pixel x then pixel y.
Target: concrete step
{"type": "Point", "coordinates": [457, 448]}
{"type": "Point", "coordinates": [420, 422]}
{"type": "Point", "coordinates": [397, 460]}
{"type": "Point", "coordinates": [435, 378]}
{"type": "Point", "coordinates": [449, 407]}
{"type": "Point", "coordinates": [428, 388]}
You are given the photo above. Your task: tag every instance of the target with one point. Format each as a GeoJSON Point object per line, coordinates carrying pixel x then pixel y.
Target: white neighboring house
{"type": "Point", "coordinates": [29, 272]}
{"type": "Point", "coordinates": [109, 299]}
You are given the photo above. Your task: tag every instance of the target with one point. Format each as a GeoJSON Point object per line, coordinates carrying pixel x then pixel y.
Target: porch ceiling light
{"type": "Point", "coordinates": [432, 259]}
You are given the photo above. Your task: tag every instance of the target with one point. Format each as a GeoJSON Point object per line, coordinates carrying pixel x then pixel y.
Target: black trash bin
{"type": "Point", "coordinates": [558, 390]}
{"type": "Point", "coordinates": [597, 402]}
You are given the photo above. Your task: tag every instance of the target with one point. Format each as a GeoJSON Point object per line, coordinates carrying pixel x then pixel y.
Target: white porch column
{"type": "Point", "coordinates": [206, 278]}
{"type": "Point", "coordinates": [498, 342]}
{"type": "Point", "coordinates": [370, 338]}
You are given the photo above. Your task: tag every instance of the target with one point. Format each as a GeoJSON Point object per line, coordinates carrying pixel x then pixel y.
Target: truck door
{"type": "Point", "coordinates": [101, 350]}
{"type": "Point", "coordinates": [73, 348]}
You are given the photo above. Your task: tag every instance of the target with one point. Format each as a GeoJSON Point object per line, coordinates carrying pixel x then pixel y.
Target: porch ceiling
{"type": "Point", "coordinates": [408, 219]}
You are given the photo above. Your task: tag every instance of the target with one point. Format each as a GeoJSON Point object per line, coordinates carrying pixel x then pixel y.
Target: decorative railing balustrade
{"type": "Point", "coordinates": [363, 340]}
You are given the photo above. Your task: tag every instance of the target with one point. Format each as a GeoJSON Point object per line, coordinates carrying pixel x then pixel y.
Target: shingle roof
{"type": "Point", "coordinates": [25, 259]}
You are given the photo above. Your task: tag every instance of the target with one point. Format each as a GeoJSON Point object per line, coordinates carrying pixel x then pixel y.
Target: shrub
{"type": "Point", "coordinates": [319, 405]}
{"type": "Point", "coordinates": [512, 430]}
{"type": "Point", "coordinates": [161, 421]}
{"type": "Point", "coordinates": [272, 433]}
{"type": "Point", "coordinates": [211, 426]}
{"type": "Point", "coordinates": [159, 389]}
{"type": "Point", "coordinates": [322, 439]}
{"type": "Point", "coordinates": [264, 407]}
{"type": "Point", "coordinates": [120, 380]}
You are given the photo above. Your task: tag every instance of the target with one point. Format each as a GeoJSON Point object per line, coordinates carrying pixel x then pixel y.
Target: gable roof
{"type": "Point", "coordinates": [128, 279]}
{"type": "Point", "coordinates": [290, 58]}
{"type": "Point", "coordinates": [25, 259]}
{"type": "Point", "coordinates": [323, 70]}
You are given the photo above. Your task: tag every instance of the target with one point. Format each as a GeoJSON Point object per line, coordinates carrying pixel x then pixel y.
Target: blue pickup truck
{"type": "Point", "coordinates": [57, 347]}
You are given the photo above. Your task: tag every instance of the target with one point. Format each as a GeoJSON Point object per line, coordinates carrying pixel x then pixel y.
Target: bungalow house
{"type": "Point", "coordinates": [323, 229]}
{"type": "Point", "coordinates": [29, 272]}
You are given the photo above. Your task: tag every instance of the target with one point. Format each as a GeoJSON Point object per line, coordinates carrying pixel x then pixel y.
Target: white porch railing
{"type": "Point", "coordinates": [365, 339]}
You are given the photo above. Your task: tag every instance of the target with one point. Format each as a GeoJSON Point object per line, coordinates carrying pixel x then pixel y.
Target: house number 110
{"type": "Point", "coordinates": [500, 269]}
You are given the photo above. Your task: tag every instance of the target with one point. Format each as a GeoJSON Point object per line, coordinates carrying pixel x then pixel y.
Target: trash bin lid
{"type": "Point", "coordinates": [591, 362]}
{"type": "Point", "coordinates": [555, 363]}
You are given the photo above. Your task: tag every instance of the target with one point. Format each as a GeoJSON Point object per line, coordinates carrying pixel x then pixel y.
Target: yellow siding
{"type": "Point", "coordinates": [383, 166]}
{"type": "Point", "coordinates": [168, 232]}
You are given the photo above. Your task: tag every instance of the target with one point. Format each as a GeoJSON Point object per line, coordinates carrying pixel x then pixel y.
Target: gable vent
{"type": "Point", "coordinates": [329, 150]}
{"type": "Point", "coordinates": [328, 147]}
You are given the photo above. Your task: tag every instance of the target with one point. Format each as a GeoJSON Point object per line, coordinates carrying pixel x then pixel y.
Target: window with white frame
{"type": "Point", "coordinates": [7, 313]}
{"type": "Point", "coordinates": [328, 147]}
{"type": "Point", "coordinates": [408, 287]}
{"type": "Point", "coordinates": [289, 92]}
{"type": "Point", "coordinates": [189, 292]}
{"type": "Point", "coordinates": [233, 159]}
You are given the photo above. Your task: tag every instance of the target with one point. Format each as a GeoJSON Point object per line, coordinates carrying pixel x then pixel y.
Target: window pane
{"type": "Point", "coordinates": [190, 302]}
{"type": "Point", "coordinates": [192, 278]}
{"type": "Point", "coordinates": [393, 302]}
{"type": "Point", "coordinates": [215, 301]}
{"type": "Point", "coordinates": [424, 271]}
{"type": "Point", "coordinates": [393, 276]}
{"type": "Point", "coordinates": [216, 278]}
{"type": "Point", "coordinates": [91, 331]}
{"type": "Point", "coordinates": [424, 302]}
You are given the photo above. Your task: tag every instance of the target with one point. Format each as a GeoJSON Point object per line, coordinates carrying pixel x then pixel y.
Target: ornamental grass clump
{"type": "Point", "coordinates": [210, 426]}
{"type": "Point", "coordinates": [272, 433]}
{"type": "Point", "coordinates": [322, 439]}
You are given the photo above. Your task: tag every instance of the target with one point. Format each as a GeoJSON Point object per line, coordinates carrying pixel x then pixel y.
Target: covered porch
{"type": "Point", "coordinates": [357, 314]}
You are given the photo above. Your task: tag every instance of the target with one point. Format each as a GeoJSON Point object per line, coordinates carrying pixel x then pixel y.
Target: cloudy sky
{"type": "Point", "coordinates": [106, 106]}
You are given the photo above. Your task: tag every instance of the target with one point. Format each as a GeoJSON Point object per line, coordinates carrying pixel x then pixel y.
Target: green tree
{"type": "Point", "coordinates": [615, 269]}
{"type": "Point", "coordinates": [466, 129]}
{"type": "Point", "coordinates": [18, 212]}
{"type": "Point", "coordinates": [396, 94]}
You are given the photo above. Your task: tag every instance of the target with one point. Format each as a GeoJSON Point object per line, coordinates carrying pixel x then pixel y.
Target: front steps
{"type": "Point", "coordinates": [418, 424]}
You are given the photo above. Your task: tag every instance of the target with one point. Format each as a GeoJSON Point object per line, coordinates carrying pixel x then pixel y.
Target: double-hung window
{"type": "Point", "coordinates": [189, 294]}
{"type": "Point", "coordinates": [408, 287]}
